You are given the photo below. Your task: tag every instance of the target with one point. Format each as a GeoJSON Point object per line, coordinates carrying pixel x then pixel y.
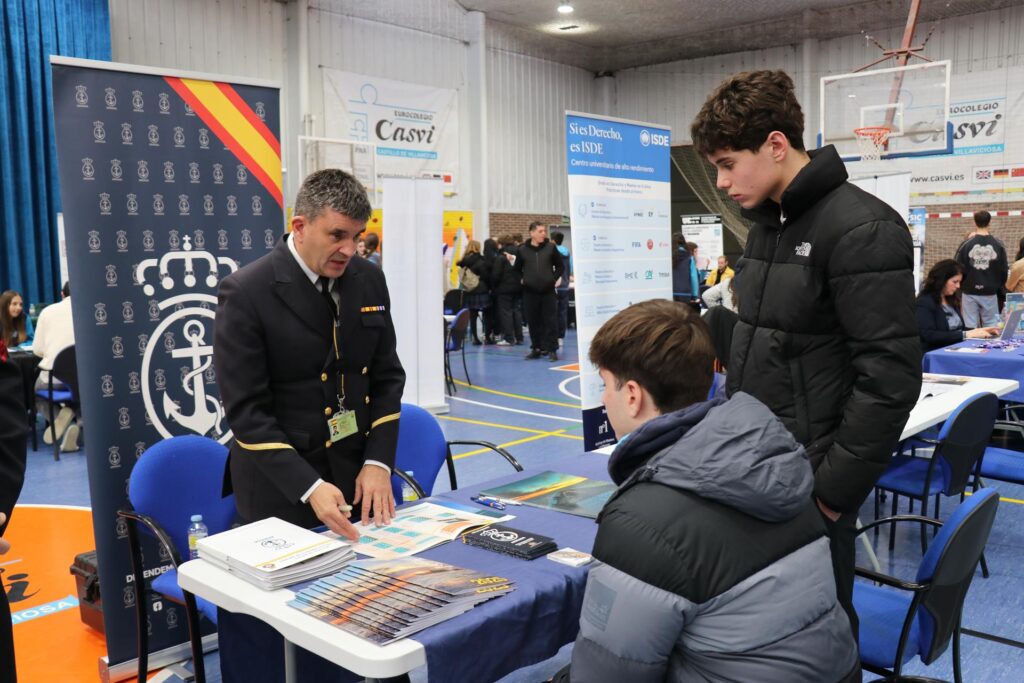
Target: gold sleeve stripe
{"type": "Point", "coordinates": [270, 446]}
{"type": "Point", "coordinates": [387, 418]}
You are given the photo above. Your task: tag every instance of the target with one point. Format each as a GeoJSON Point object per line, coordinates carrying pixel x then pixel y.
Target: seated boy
{"type": "Point", "coordinates": [713, 564]}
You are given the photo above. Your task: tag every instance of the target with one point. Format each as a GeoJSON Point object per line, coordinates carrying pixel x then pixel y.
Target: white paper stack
{"type": "Point", "coordinates": [272, 553]}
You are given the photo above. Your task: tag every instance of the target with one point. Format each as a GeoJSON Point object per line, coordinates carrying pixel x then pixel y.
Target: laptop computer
{"type": "Point", "coordinates": [1012, 323]}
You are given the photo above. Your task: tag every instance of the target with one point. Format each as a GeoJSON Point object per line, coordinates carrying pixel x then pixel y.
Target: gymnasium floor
{"type": "Point", "coordinates": [530, 409]}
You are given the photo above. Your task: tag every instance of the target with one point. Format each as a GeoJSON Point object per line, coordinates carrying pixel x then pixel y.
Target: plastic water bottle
{"type": "Point", "coordinates": [408, 493]}
{"type": "Point", "coordinates": [196, 530]}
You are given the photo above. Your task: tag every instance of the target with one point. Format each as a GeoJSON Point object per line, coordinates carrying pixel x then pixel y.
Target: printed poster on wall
{"type": "Point", "coordinates": [168, 183]}
{"type": "Point", "coordinates": [704, 230]}
{"type": "Point", "coordinates": [620, 198]}
{"type": "Point", "coordinates": [415, 127]}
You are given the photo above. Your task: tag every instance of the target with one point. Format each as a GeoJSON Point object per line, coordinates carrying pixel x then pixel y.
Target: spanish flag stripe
{"type": "Point", "coordinates": [250, 116]}
{"type": "Point", "coordinates": [268, 173]}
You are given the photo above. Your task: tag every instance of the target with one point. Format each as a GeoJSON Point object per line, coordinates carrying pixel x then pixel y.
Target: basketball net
{"type": "Point", "coordinates": [872, 141]}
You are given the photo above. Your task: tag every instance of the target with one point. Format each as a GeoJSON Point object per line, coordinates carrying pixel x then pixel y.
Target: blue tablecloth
{"type": "Point", "coordinates": [993, 363]}
{"type": "Point", "coordinates": [541, 615]}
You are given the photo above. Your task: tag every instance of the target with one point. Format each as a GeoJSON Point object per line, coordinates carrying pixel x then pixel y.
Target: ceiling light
{"type": "Point", "coordinates": [565, 8]}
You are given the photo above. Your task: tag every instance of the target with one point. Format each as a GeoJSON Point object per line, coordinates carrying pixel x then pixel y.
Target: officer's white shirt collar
{"type": "Point", "coordinates": [313, 277]}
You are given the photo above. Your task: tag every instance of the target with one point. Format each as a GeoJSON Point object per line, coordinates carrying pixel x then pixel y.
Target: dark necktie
{"type": "Point", "coordinates": [325, 292]}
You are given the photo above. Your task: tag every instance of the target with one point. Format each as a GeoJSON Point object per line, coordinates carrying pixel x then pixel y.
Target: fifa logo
{"type": "Point", "coordinates": [147, 237]}
{"type": "Point", "coordinates": [183, 205]}
{"type": "Point", "coordinates": [99, 134]}
{"type": "Point", "coordinates": [117, 347]}
{"type": "Point", "coordinates": [218, 174]}
{"type": "Point", "coordinates": [127, 312]}
{"type": "Point", "coordinates": [261, 111]}
{"type": "Point", "coordinates": [168, 171]}
{"type": "Point", "coordinates": [134, 382]}
{"type": "Point", "coordinates": [137, 101]}
{"type": "Point", "coordinates": [193, 172]}
{"type": "Point", "coordinates": [199, 239]}
{"type": "Point", "coordinates": [100, 314]}
{"type": "Point", "coordinates": [163, 103]}
{"type": "Point", "coordinates": [158, 205]}
{"type": "Point", "coordinates": [107, 386]}
{"type": "Point", "coordinates": [232, 205]}
{"type": "Point", "coordinates": [88, 170]}
{"type": "Point", "coordinates": [114, 457]}
{"type": "Point", "coordinates": [173, 241]}
{"type": "Point", "coordinates": [110, 98]}
{"type": "Point", "coordinates": [143, 171]}
{"type": "Point", "coordinates": [183, 334]}
{"type": "Point", "coordinates": [179, 136]}
{"type": "Point", "coordinates": [122, 237]}
{"type": "Point", "coordinates": [207, 208]}
{"type": "Point", "coordinates": [81, 96]}
{"type": "Point", "coordinates": [153, 136]}
{"type": "Point", "coordinates": [257, 206]}
{"type": "Point", "coordinates": [133, 210]}
{"type": "Point", "coordinates": [268, 238]}
{"type": "Point", "coordinates": [94, 242]}
{"type": "Point", "coordinates": [104, 204]}
{"type": "Point", "coordinates": [204, 139]}
{"type": "Point", "coordinates": [242, 174]}
{"type": "Point", "coordinates": [115, 170]}
{"type": "Point", "coordinates": [126, 133]}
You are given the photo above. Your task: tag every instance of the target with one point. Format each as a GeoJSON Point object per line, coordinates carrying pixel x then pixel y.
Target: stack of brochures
{"type": "Point", "coordinates": [272, 553]}
{"type": "Point", "coordinates": [514, 542]}
{"type": "Point", "coordinates": [386, 600]}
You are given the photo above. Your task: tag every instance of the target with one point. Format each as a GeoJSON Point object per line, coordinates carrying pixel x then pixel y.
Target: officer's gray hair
{"type": "Point", "coordinates": [335, 189]}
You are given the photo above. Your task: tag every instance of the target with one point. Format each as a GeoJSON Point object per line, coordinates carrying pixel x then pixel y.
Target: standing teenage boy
{"type": "Point", "coordinates": [827, 336]}
{"type": "Point", "coordinates": [983, 258]}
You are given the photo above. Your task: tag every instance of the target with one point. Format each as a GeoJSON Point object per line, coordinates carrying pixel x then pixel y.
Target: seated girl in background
{"type": "Point", "coordinates": [938, 309]}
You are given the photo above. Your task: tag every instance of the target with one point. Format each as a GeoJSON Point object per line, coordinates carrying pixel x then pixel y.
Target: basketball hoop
{"type": "Point", "coordinates": [872, 141]}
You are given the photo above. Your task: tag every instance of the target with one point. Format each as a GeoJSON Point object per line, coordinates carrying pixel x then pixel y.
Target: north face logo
{"type": "Point", "coordinates": [803, 249]}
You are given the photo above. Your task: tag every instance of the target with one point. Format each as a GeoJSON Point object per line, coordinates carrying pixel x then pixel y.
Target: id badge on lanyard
{"type": "Point", "coordinates": [343, 423]}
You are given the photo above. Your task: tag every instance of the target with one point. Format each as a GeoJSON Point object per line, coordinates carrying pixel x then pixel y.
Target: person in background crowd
{"type": "Point", "coordinates": [13, 453]}
{"type": "Point", "coordinates": [15, 325]}
{"type": "Point", "coordinates": [490, 314]}
{"type": "Point", "coordinates": [712, 562]}
{"type": "Point", "coordinates": [702, 262]}
{"type": "Point", "coordinates": [474, 277]}
{"type": "Point", "coordinates": [361, 247]}
{"type": "Point", "coordinates": [938, 308]}
{"type": "Point", "coordinates": [720, 294]}
{"type": "Point", "coordinates": [562, 286]}
{"type": "Point", "coordinates": [985, 265]}
{"type": "Point", "coordinates": [685, 286]}
{"type": "Point", "coordinates": [1015, 280]}
{"type": "Point", "coordinates": [508, 292]}
{"type": "Point", "coordinates": [371, 242]}
{"type": "Point", "coordinates": [54, 333]}
{"type": "Point", "coordinates": [540, 265]}
{"type": "Point", "coordinates": [721, 273]}
{"type": "Point", "coordinates": [827, 337]}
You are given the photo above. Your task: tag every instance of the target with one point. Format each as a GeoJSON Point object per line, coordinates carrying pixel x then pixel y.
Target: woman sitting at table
{"type": "Point", "coordinates": [15, 325]}
{"type": "Point", "coordinates": [938, 309]}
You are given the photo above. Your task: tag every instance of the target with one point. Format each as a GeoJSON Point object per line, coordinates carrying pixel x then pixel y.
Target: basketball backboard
{"type": "Point", "coordinates": [912, 101]}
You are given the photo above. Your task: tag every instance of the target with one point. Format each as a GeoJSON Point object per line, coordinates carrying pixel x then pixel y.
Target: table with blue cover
{"type": "Point", "coordinates": [523, 627]}
{"type": "Point", "coordinates": [1000, 363]}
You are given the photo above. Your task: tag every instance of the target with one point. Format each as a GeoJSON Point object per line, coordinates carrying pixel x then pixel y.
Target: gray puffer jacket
{"type": "Point", "coordinates": [713, 561]}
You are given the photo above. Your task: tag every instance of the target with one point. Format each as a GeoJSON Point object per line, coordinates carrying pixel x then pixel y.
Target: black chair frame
{"type": "Point", "coordinates": [450, 462]}
{"type": "Point", "coordinates": [459, 327]}
{"type": "Point", "coordinates": [141, 591]}
{"type": "Point", "coordinates": [66, 371]}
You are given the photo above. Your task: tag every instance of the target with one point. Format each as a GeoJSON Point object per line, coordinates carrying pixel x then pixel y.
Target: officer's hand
{"type": "Point", "coordinates": [4, 545]}
{"type": "Point", "coordinates": [373, 488]}
{"type": "Point", "coordinates": [325, 500]}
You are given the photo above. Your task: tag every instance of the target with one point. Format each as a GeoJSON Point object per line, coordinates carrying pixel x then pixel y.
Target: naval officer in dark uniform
{"type": "Point", "coordinates": [311, 383]}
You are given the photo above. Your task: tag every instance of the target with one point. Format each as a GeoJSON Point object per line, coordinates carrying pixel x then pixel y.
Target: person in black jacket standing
{"type": "Point", "coordinates": [938, 308]}
{"type": "Point", "coordinates": [986, 266]}
{"type": "Point", "coordinates": [827, 336]}
{"type": "Point", "coordinates": [540, 265]}
{"type": "Point", "coordinates": [508, 292]}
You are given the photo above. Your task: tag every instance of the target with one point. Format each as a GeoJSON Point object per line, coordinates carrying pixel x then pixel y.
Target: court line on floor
{"type": "Point", "coordinates": [1002, 498]}
{"type": "Point", "coordinates": [535, 437]}
{"type": "Point", "coordinates": [562, 387]}
{"type": "Point", "coordinates": [515, 410]}
{"type": "Point", "coordinates": [519, 396]}
{"type": "Point", "coordinates": [504, 426]}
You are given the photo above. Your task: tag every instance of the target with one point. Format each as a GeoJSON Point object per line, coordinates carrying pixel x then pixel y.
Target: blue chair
{"type": "Point", "coordinates": [63, 393]}
{"type": "Point", "coordinates": [454, 340]}
{"type": "Point", "coordinates": [422, 449]}
{"type": "Point", "coordinates": [173, 480]}
{"type": "Point", "coordinates": [923, 616]}
{"type": "Point", "coordinates": [961, 443]}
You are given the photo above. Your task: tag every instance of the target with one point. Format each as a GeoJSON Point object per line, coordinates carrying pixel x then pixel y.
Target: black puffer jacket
{"type": "Point", "coordinates": [541, 266]}
{"type": "Point", "coordinates": [506, 279]}
{"type": "Point", "coordinates": [478, 264]}
{"type": "Point", "coordinates": [827, 336]}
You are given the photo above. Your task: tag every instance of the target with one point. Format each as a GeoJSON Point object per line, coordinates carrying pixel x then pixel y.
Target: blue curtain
{"type": "Point", "coordinates": [31, 31]}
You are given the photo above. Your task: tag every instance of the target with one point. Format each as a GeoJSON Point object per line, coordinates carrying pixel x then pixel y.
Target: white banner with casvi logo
{"type": "Point", "coordinates": [415, 127]}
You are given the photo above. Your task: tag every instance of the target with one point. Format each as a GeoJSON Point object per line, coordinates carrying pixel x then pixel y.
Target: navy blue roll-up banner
{"type": "Point", "coordinates": [169, 183]}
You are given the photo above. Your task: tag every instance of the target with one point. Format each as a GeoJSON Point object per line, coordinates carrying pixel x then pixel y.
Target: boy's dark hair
{"type": "Point", "coordinates": [982, 218]}
{"type": "Point", "coordinates": [507, 241]}
{"type": "Point", "coordinates": [745, 109]}
{"type": "Point", "coordinates": [663, 346]}
{"type": "Point", "coordinates": [557, 237]}
{"type": "Point", "coordinates": [371, 241]}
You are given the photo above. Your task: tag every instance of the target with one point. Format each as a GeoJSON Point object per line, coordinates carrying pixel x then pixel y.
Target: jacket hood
{"type": "Point", "coordinates": [825, 172]}
{"type": "Point", "coordinates": [733, 451]}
